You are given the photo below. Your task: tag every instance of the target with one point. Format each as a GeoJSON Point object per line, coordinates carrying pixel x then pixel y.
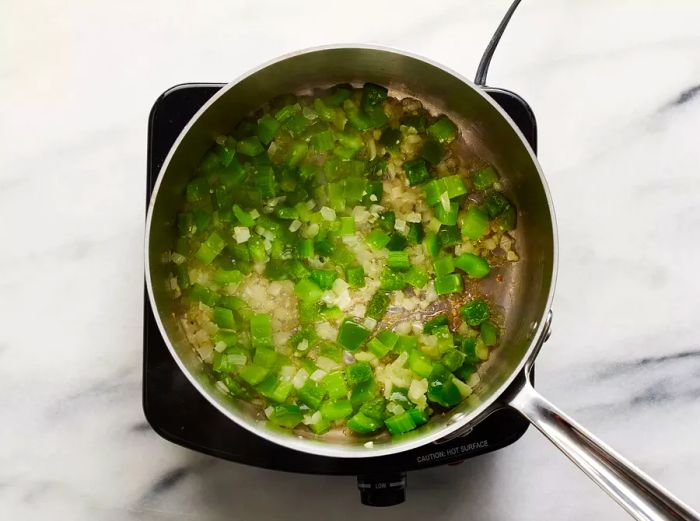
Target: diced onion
{"type": "Point", "coordinates": [295, 225]}
{"type": "Point", "coordinates": [328, 213]}
{"type": "Point", "coordinates": [318, 375]}
{"type": "Point", "coordinates": [327, 364]}
{"type": "Point", "coordinates": [241, 234]}
{"type": "Point", "coordinates": [300, 378]}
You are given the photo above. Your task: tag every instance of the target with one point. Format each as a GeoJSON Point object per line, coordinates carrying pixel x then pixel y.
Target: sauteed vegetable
{"type": "Point", "coordinates": [329, 257]}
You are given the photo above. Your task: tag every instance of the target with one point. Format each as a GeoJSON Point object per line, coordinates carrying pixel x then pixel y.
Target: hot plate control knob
{"type": "Point", "coordinates": [382, 490]}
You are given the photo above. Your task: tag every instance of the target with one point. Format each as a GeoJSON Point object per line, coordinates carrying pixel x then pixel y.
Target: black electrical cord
{"type": "Point", "coordinates": [483, 69]}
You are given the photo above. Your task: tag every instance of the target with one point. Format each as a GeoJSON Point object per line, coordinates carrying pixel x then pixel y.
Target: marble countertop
{"type": "Point", "coordinates": [616, 89]}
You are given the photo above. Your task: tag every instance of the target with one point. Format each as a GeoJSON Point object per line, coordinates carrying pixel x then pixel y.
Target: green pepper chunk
{"type": "Point", "coordinates": [474, 266]}
{"type": "Point", "coordinates": [451, 283]}
{"type": "Point", "coordinates": [305, 248]}
{"type": "Point", "coordinates": [496, 203]}
{"type": "Point", "coordinates": [431, 244]}
{"type": "Point", "coordinates": [474, 224]}
{"type": "Point", "coordinates": [484, 178]}
{"type": "Point", "coordinates": [400, 424]}
{"type": "Point", "coordinates": [475, 312]}
{"type": "Point", "coordinates": [432, 151]}
{"type": "Point", "coordinates": [378, 348]}
{"type": "Point", "coordinates": [416, 172]}
{"type": "Point", "coordinates": [286, 415]}
{"type": "Point", "coordinates": [210, 248]}
{"type": "Point", "coordinates": [355, 276]}
{"type": "Point", "coordinates": [416, 277]}
{"type": "Point", "coordinates": [363, 424]}
{"type": "Point", "coordinates": [352, 335]}
{"type": "Point", "coordinates": [336, 409]}
{"type": "Point", "coordinates": [398, 260]}
{"type": "Point", "coordinates": [373, 96]}
{"type": "Point", "coordinates": [250, 147]}
{"type": "Point", "coordinates": [444, 265]}
{"type": "Point", "coordinates": [391, 138]}
{"type": "Point", "coordinates": [312, 393]}
{"type": "Point", "coordinates": [203, 294]}
{"type": "Point", "coordinates": [334, 384]}
{"type": "Point", "coordinates": [358, 372]}
{"type": "Point", "coordinates": [391, 280]}
{"type": "Point", "coordinates": [377, 305]}
{"type": "Point", "coordinates": [420, 364]}
{"type": "Point", "coordinates": [267, 128]}
{"type": "Point", "coordinates": [377, 239]}
{"type": "Point", "coordinates": [324, 278]}
{"type": "Point", "coordinates": [435, 322]}
{"type": "Point", "coordinates": [261, 330]}
{"type": "Point", "coordinates": [308, 291]}
{"type": "Point", "coordinates": [453, 359]}
{"type": "Point", "coordinates": [443, 130]}
{"type": "Point", "coordinates": [489, 333]}
{"type": "Point", "coordinates": [441, 388]}
{"type": "Point", "coordinates": [223, 317]}
{"type": "Point", "coordinates": [449, 236]}
{"type": "Point", "coordinates": [374, 408]}
{"type": "Point", "coordinates": [197, 189]}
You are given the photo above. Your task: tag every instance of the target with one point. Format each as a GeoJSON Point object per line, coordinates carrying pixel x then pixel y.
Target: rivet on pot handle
{"type": "Point", "coordinates": [637, 493]}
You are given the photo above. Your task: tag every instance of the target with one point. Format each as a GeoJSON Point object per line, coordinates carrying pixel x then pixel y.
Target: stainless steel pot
{"type": "Point", "coordinates": [525, 293]}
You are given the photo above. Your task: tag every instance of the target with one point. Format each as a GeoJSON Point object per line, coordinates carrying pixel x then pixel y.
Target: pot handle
{"type": "Point", "coordinates": [637, 493]}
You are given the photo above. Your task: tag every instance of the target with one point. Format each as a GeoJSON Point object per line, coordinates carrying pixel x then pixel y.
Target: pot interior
{"type": "Point", "coordinates": [524, 292]}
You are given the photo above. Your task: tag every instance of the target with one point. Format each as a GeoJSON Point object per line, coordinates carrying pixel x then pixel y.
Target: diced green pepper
{"type": "Point", "coordinates": [256, 249]}
{"type": "Point", "coordinates": [445, 341]}
{"type": "Point", "coordinates": [435, 322]}
{"type": "Point", "coordinates": [210, 248]}
{"type": "Point", "coordinates": [398, 260]}
{"type": "Point", "coordinates": [347, 226]}
{"type": "Point", "coordinates": [454, 186]}
{"type": "Point", "coordinates": [473, 265]}
{"type": "Point", "coordinates": [441, 388]}
{"type": "Point", "coordinates": [250, 147]}
{"type": "Point", "coordinates": [377, 305]}
{"type": "Point", "coordinates": [449, 236]}
{"type": "Point", "coordinates": [474, 224]}
{"type": "Point", "coordinates": [374, 408]}
{"type": "Point", "coordinates": [496, 203]}
{"type": "Point", "coordinates": [363, 392]}
{"type": "Point", "coordinates": [419, 364]}
{"type": "Point", "coordinates": [451, 283]}
{"type": "Point", "coordinates": [399, 424]}
{"type": "Point", "coordinates": [475, 312]}
{"type": "Point", "coordinates": [243, 217]}
{"type": "Point", "coordinates": [377, 348]}
{"type": "Point", "coordinates": [443, 130]}
{"type": "Point", "coordinates": [352, 335]}
{"type": "Point", "coordinates": [286, 415]}
{"type": "Point", "coordinates": [391, 138]}
{"type": "Point", "coordinates": [416, 277]}
{"type": "Point", "coordinates": [416, 172]}
{"type": "Point", "coordinates": [431, 244]}
{"type": "Point", "coordinates": [391, 280]}
{"type": "Point", "coordinates": [363, 424]}
{"type": "Point", "coordinates": [323, 141]}
{"type": "Point", "coordinates": [197, 189]}
{"type": "Point", "coordinates": [397, 242]}
{"type": "Point", "coordinates": [447, 217]}
{"type": "Point", "coordinates": [254, 374]}
{"type": "Point", "coordinates": [267, 128]}
{"type": "Point", "coordinates": [377, 239]}
{"type": "Point", "coordinates": [453, 359]}
{"type": "Point", "coordinates": [489, 333]}
{"type": "Point", "coordinates": [334, 384]}
{"type": "Point", "coordinates": [372, 96]}
{"type": "Point", "coordinates": [324, 278]}
{"type": "Point", "coordinates": [432, 152]}
{"type": "Point", "coordinates": [203, 295]}
{"type": "Point", "coordinates": [305, 248]}
{"type": "Point", "coordinates": [358, 372]}
{"type": "Point", "coordinates": [415, 233]}
{"type": "Point", "coordinates": [261, 330]}
{"type": "Point", "coordinates": [444, 265]}
{"type": "Point", "coordinates": [227, 276]}
{"type": "Point", "coordinates": [484, 178]}
{"type": "Point", "coordinates": [223, 317]}
{"type": "Point", "coordinates": [308, 291]}
{"type": "Point", "coordinates": [336, 409]}
{"type": "Point", "coordinates": [419, 417]}
{"type": "Point", "coordinates": [416, 121]}
{"type": "Point", "coordinates": [406, 343]}
{"type": "Point", "coordinates": [355, 276]}
{"type": "Point", "coordinates": [312, 393]}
